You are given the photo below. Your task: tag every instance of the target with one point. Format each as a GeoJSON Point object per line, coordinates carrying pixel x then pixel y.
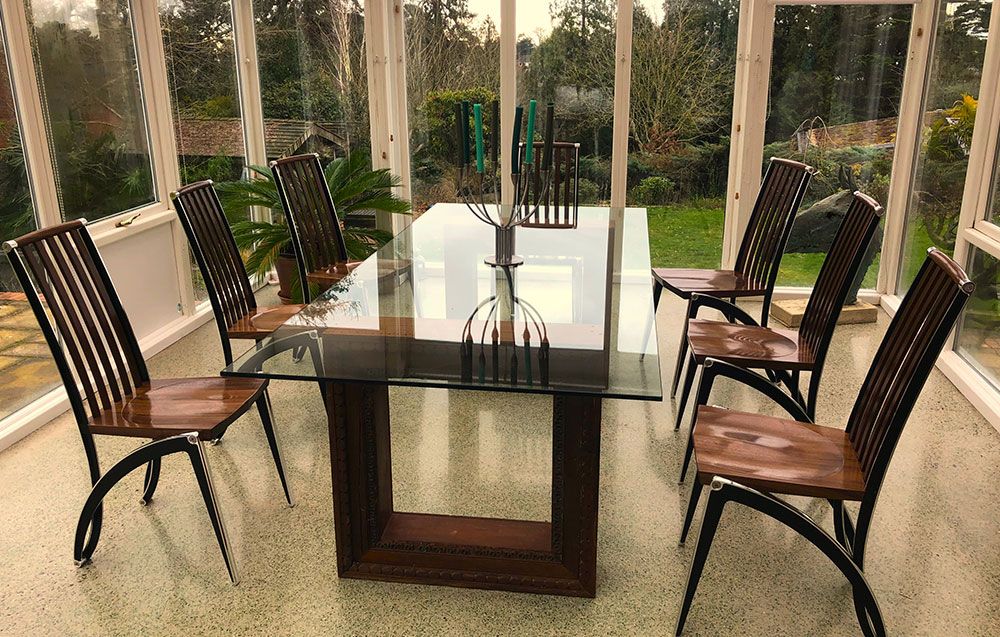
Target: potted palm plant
{"type": "Point", "coordinates": [355, 188]}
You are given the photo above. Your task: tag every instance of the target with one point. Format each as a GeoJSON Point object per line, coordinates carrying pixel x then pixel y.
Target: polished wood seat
{"type": "Point", "coordinates": [748, 345]}
{"type": "Point", "coordinates": [777, 455]}
{"type": "Point", "coordinates": [237, 315]}
{"type": "Point", "coordinates": [725, 283]}
{"type": "Point", "coordinates": [756, 267]}
{"type": "Point", "coordinates": [750, 459]}
{"type": "Point", "coordinates": [261, 322]}
{"type": "Point", "coordinates": [166, 407]}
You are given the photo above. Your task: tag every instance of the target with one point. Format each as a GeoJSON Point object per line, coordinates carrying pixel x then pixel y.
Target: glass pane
{"type": "Point", "coordinates": [25, 363]}
{"type": "Point", "coordinates": [94, 114]}
{"type": "Point", "coordinates": [683, 65]}
{"type": "Point", "coordinates": [979, 329]}
{"type": "Point", "coordinates": [313, 78]}
{"type": "Point", "coordinates": [949, 117]}
{"type": "Point", "coordinates": [201, 71]}
{"type": "Point", "coordinates": [993, 211]}
{"type": "Point", "coordinates": [836, 81]}
{"type": "Point", "coordinates": [451, 56]}
{"type": "Point", "coordinates": [565, 54]}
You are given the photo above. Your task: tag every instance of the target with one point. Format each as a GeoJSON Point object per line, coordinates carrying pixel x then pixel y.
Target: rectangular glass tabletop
{"type": "Point", "coordinates": [425, 310]}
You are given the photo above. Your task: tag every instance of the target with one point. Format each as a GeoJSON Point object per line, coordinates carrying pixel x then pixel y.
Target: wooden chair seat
{"type": "Point", "coordinates": [686, 281]}
{"type": "Point", "coordinates": [748, 346]}
{"type": "Point", "coordinates": [261, 322]}
{"type": "Point", "coordinates": [167, 407]}
{"type": "Point", "coordinates": [387, 268]}
{"type": "Point", "coordinates": [776, 455]}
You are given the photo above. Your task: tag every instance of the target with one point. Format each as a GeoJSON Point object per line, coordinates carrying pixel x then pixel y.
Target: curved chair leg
{"type": "Point", "coordinates": [266, 417]}
{"type": "Point", "coordinates": [657, 290]}
{"type": "Point", "coordinates": [692, 367]}
{"type": "Point", "coordinates": [150, 481]}
{"type": "Point", "coordinates": [144, 455]}
{"type": "Point", "coordinates": [97, 516]}
{"type": "Point", "coordinates": [696, 490]}
{"type": "Point", "coordinates": [723, 491]}
{"type": "Point", "coordinates": [298, 354]}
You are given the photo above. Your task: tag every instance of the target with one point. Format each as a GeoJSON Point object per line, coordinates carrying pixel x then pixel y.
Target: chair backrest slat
{"type": "Point", "coordinates": [904, 360]}
{"type": "Point", "coordinates": [226, 281]}
{"type": "Point", "coordinates": [91, 339]}
{"type": "Point", "coordinates": [559, 209]}
{"type": "Point", "coordinates": [312, 218]}
{"type": "Point", "coordinates": [770, 223]}
{"type": "Point", "coordinates": [838, 272]}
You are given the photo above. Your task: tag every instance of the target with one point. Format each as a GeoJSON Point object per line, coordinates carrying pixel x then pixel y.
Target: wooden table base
{"type": "Point", "coordinates": [374, 542]}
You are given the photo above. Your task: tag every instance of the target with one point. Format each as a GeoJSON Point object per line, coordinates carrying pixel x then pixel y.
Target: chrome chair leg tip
{"type": "Point", "coordinates": [82, 562]}
{"type": "Point", "coordinates": [144, 502]}
{"type": "Point", "coordinates": [215, 442]}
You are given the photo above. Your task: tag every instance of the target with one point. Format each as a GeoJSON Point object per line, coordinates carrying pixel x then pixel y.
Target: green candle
{"type": "Point", "coordinates": [477, 113]}
{"type": "Point", "coordinates": [529, 138]}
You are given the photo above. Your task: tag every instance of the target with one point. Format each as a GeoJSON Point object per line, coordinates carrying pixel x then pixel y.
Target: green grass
{"type": "Point", "coordinates": [689, 235]}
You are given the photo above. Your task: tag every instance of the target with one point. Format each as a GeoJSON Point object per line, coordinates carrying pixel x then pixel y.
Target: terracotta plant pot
{"type": "Point", "coordinates": [287, 274]}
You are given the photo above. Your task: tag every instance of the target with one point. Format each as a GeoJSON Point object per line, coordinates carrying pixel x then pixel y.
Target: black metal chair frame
{"type": "Point", "coordinates": [878, 436]}
{"type": "Point", "coordinates": [830, 301]}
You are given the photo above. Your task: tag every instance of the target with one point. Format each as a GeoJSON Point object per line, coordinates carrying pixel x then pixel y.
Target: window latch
{"type": "Point", "coordinates": [124, 223]}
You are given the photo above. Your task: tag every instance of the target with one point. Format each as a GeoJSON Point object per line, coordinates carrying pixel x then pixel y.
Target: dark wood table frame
{"type": "Point", "coordinates": [375, 542]}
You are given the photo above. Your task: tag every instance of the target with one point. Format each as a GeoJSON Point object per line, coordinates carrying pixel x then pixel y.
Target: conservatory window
{"type": "Point", "coordinates": [88, 79]}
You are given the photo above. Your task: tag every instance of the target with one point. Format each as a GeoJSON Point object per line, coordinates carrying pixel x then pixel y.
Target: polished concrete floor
{"type": "Point", "coordinates": [932, 557]}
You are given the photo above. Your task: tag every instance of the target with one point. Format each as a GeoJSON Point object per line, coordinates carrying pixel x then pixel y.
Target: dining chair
{"type": "Point", "coordinates": [759, 256]}
{"type": "Point", "coordinates": [750, 458]}
{"type": "Point", "coordinates": [785, 353]}
{"type": "Point", "coordinates": [237, 314]}
{"type": "Point", "coordinates": [110, 391]}
{"type": "Point", "coordinates": [560, 206]}
{"type": "Point", "coordinates": [320, 248]}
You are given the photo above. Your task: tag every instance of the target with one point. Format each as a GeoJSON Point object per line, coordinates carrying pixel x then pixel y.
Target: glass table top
{"type": "Point", "coordinates": [425, 310]}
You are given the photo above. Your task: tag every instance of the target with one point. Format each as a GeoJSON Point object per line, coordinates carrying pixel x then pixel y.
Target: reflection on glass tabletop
{"type": "Point", "coordinates": [425, 310]}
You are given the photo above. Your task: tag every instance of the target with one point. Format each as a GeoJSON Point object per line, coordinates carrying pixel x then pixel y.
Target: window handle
{"type": "Point", "coordinates": [124, 223]}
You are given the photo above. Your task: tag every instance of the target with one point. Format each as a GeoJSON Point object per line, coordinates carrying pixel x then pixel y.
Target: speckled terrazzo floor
{"type": "Point", "coordinates": [932, 557]}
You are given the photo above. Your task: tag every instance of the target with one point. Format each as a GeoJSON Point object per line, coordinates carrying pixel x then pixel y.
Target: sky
{"type": "Point", "coordinates": [533, 15]}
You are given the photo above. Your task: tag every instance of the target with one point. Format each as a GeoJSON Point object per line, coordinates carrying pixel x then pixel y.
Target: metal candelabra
{"type": "Point", "coordinates": [480, 192]}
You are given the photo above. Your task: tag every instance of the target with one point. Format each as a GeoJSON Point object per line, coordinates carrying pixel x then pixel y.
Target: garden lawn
{"type": "Point", "coordinates": [689, 235]}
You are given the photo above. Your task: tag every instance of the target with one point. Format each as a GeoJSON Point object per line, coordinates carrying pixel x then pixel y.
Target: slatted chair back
{"type": "Point", "coordinates": [559, 208]}
{"type": "Point", "coordinates": [214, 247]}
{"type": "Point", "coordinates": [86, 328]}
{"type": "Point", "coordinates": [903, 362]}
{"type": "Point", "coordinates": [778, 199]}
{"type": "Point", "coordinates": [836, 276]}
{"type": "Point", "coordinates": [312, 218]}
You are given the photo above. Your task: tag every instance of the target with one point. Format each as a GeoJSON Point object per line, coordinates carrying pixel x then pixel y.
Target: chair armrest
{"type": "Point", "coordinates": [715, 368]}
{"type": "Point", "coordinates": [732, 311]}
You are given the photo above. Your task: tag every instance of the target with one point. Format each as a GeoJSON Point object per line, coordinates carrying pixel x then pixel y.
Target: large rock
{"type": "Point", "coordinates": [815, 228]}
